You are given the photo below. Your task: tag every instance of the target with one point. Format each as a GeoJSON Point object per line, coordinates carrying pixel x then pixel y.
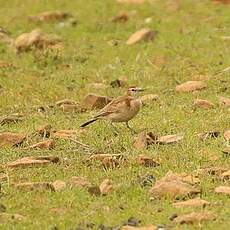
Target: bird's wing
{"type": "Point", "coordinates": [115, 106]}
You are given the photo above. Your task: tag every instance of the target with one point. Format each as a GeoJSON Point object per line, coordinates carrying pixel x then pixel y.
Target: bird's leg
{"type": "Point", "coordinates": [130, 128]}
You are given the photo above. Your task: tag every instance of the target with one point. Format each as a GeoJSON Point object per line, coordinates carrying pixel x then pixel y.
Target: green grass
{"type": "Point", "coordinates": [192, 46]}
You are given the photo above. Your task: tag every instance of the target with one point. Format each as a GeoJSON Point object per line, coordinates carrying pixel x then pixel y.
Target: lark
{"type": "Point", "coordinates": [120, 109]}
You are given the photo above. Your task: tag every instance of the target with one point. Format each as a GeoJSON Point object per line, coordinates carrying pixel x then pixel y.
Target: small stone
{"type": "Point", "coordinates": [200, 103]}
{"type": "Point", "coordinates": [122, 17]}
{"type": "Point", "coordinates": [144, 34]}
{"type": "Point", "coordinates": [227, 135]}
{"type": "Point", "coordinates": [191, 86]}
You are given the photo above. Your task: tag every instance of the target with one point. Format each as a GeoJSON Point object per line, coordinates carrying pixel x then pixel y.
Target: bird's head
{"type": "Point", "coordinates": [134, 91]}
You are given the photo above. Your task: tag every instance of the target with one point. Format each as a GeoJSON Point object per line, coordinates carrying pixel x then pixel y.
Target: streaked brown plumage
{"type": "Point", "coordinates": [121, 109]}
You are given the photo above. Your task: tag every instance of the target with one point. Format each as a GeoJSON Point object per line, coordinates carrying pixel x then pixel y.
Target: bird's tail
{"type": "Point", "coordinates": [88, 122]}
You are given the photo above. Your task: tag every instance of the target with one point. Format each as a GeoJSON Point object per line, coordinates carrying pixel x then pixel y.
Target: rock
{"type": "Point", "coordinates": [33, 161]}
{"type": "Point", "coordinates": [13, 118]}
{"type": "Point", "coordinates": [144, 139]}
{"type": "Point", "coordinates": [210, 134]}
{"type": "Point", "coordinates": [144, 34]}
{"type": "Point", "coordinates": [170, 139]}
{"type": "Point", "coordinates": [78, 182]}
{"type": "Point", "coordinates": [31, 186]}
{"type": "Point", "coordinates": [121, 17]}
{"type": "Point", "coordinates": [94, 190]}
{"type": "Point", "coordinates": [50, 16]}
{"type": "Point", "coordinates": [92, 101]}
{"type": "Point", "coordinates": [36, 39]}
{"type": "Point", "coordinates": [191, 86]}
{"type": "Point", "coordinates": [8, 139]}
{"type": "Point", "coordinates": [117, 83]}
{"type": "Point", "coordinates": [223, 190]}
{"type": "Point", "coordinates": [59, 185]}
{"type": "Point", "coordinates": [200, 103]}
{"type": "Point", "coordinates": [195, 217]}
{"type": "Point", "coordinates": [44, 130]}
{"type": "Point", "coordinates": [106, 187]}
{"type": "Point", "coordinates": [227, 135]}
{"type": "Point", "coordinates": [47, 144]}
{"type": "Point", "coordinates": [225, 175]}
{"type": "Point", "coordinates": [132, 1]}
{"type": "Point", "coordinates": [196, 202]}
{"type": "Point", "coordinates": [174, 186]}
{"type": "Point", "coordinates": [147, 161]}
{"type": "Point", "coordinates": [224, 101]}
{"type": "Point", "coordinates": [66, 102]}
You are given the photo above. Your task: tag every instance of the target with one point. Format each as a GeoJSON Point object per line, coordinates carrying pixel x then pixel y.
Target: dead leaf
{"type": "Point", "coordinates": [170, 139]}
{"type": "Point", "coordinates": [224, 101]}
{"type": "Point", "coordinates": [225, 175]}
{"type": "Point", "coordinates": [196, 202]}
{"type": "Point", "coordinates": [121, 17]}
{"type": "Point", "coordinates": [222, 1]}
{"type": "Point", "coordinates": [144, 139]}
{"type": "Point", "coordinates": [205, 104]}
{"type": "Point", "coordinates": [71, 108]}
{"type": "Point", "coordinates": [31, 186]}
{"type": "Point", "coordinates": [59, 185]}
{"type": "Point", "coordinates": [78, 182]}
{"type": "Point", "coordinates": [147, 161]}
{"type": "Point", "coordinates": [149, 98]}
{"type": "Point", "coordinates": [92, 101]}
{"type": "Point", "coordinates": [33, 161]}
{"type": "Point", "coordinates": [8, 139]}
{"type": "Point", "coordinates": [173, 186]}
{"type": "Point", "coordinates": [227, 135]}
{"type": "Point", "coordinates": [47, 144]}
{"type": "Point", "coordinates": [209, 134]}
{"type": "Point", "coordinates": [226, 151]}
{"type": "Point", "coordinates": [65, 134]}
{"type": "Point", "coordinates": [50, 16]}
{"type": "Point", "coordinates": [66, 102]}
{"type": "Point", "coordinates": [106, 187]}
{"type": "Point", "coordinates": [195, 217]}
{"type": "Point", "coordinates": [36, 39]}
{"type": "Point", "coordinates": [44, 130]}
{"type": "Point", "coordinates": [223, 190]}
{"type": "Point", "coordinates": [191, 86]}
{"type": "Point", "coordinates": [144, 34]}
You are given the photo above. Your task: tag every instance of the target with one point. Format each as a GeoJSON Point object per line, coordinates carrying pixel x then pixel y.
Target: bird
{"type": "Point", "coordinates": [121, 109]}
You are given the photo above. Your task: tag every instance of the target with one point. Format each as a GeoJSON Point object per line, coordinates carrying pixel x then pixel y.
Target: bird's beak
{"type": "Point", "coordinates": [140, 89]}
